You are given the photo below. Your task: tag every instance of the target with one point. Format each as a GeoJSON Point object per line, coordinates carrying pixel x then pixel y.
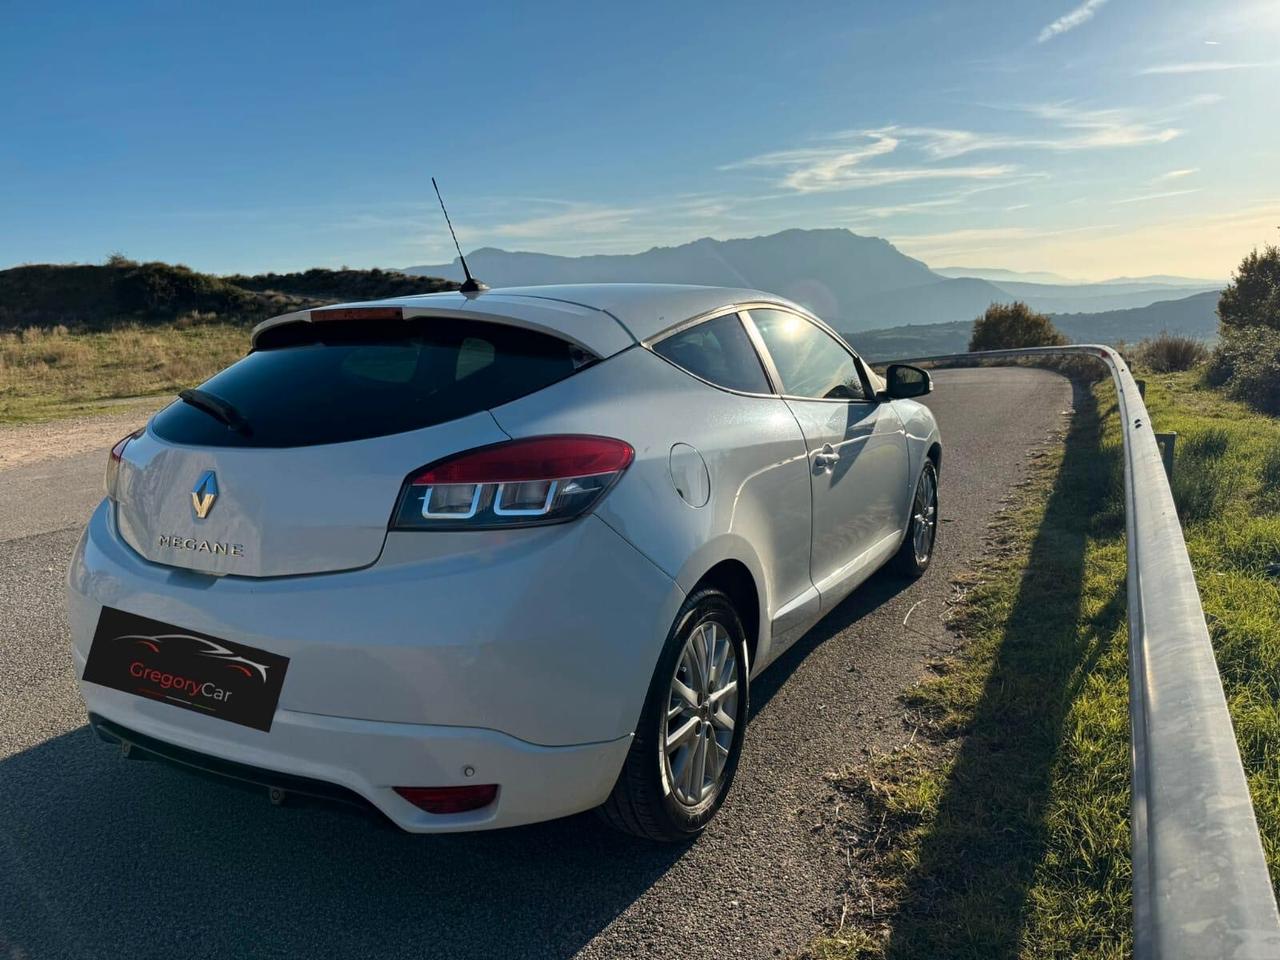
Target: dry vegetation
{"type": "Point", "coordinates": [52, 372]}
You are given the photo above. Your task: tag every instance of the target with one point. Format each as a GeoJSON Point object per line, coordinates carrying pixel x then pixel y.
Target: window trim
{"type": "Point", "coordinates": [869, 396]}
{"type": "Point", "coordinates": [766, 362]}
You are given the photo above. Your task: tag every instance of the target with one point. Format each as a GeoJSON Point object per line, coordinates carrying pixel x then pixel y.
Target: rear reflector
{"type": "Point", "coordinates": [358, 313]}
{"type": "Point", "coordinates": [450, 799]}
{"type": "Point", "coordinates": [113, 460]}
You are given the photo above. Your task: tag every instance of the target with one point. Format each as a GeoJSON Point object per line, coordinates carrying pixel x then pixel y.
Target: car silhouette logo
{"type": "Point", "coordinates": [204, 495]}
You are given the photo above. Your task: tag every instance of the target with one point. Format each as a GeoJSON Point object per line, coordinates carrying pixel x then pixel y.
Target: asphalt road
{"type": "Point", "coordinates": [101, 857]}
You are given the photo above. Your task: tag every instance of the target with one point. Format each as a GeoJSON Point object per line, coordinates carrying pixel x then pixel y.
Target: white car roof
{"type": "Point", "coordinates": [602, 317]}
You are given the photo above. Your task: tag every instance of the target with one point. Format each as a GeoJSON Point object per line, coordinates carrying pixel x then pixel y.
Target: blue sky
{"type": "Point", "coordinates": [1093, 139]}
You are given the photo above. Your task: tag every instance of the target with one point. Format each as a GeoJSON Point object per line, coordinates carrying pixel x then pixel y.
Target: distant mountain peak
{"type": "Point", "coordinates": [856, 282]}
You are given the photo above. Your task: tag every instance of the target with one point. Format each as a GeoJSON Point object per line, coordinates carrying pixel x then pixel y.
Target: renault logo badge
{"type": "Point", "coordinates": [205, 493]}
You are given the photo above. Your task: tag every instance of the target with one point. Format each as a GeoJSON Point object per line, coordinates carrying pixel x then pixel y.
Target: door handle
{"type": "Point", "coordinates": [826, 458]}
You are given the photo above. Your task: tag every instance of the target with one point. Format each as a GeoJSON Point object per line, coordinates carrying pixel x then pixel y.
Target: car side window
{"type": "Point", "coordinates": [810, 362]}
{"type": "Point", "coordinates": [720, 352]}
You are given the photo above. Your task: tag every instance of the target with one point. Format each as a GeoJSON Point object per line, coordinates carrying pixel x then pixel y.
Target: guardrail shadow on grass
{"type": "Point", "coordinates": [968, 893]}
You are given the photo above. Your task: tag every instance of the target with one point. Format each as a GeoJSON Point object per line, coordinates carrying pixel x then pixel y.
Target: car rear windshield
{"type": "Point", "coordinates": [332, 382]}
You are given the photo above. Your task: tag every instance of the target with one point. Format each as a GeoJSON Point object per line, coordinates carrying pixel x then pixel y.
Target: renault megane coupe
{"type": "Point", "coordinates": [482, 559]}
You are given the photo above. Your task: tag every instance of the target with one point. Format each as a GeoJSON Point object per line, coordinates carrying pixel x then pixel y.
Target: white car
{"type": "Point", "coordinates": [482, 559]}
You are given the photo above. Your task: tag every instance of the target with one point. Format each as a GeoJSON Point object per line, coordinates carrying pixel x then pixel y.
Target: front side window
{"type": "Point", "coordinates": [720, 352]}
{"type": "Point", "coordinates": [810, 362]}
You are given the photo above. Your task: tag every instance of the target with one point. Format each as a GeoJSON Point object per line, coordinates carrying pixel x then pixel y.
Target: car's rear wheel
{"type": "Point", "coordinates": [686, 747]}
{"type": "Point", "coordinates": [916, 551]}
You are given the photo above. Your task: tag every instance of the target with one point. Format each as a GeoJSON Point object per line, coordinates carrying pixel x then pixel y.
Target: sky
{"type": "Point", "coordinates": [1091, 139]}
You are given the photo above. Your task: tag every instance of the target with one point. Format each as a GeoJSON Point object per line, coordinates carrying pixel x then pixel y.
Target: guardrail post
{"type": "Point", "coordinates": [1142, 389]}
{"type": "Point", "coordinates": [1166, 442]}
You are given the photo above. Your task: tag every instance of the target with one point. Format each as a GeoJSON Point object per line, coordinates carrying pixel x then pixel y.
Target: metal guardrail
{"type": "Point", "coordinates": [1200, 882]}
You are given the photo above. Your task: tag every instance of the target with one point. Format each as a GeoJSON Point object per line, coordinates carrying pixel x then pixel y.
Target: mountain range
{"type": "Point", "coordinates": [856, 283]}
{"type": "Point", "coordinates": [1193, 316]}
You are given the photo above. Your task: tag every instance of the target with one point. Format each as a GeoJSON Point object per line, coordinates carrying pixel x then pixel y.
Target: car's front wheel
{"type": "Point", "coordinates": [686, 747]}
{"type": "Point", "coordinates": [913, 557]}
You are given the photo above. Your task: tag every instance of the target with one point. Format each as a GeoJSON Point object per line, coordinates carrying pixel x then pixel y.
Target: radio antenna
{"type": "Point", "coordinates": [471, 284]}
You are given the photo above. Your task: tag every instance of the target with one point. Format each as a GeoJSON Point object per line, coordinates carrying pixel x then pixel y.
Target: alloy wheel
{"type": "Point", "coordinates": [702, 708]}
{"type": "Point", "coordinates": [925, 515]}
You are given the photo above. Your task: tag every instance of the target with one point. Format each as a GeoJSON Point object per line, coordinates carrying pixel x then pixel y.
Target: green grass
{"type": "Point", "coordinates": [51, 373]}
{"type": "Point", "coordinates": [1003, 831]}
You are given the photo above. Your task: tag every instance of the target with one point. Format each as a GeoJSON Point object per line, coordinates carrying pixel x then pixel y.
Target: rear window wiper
{"type": "Point", "coordinates": [221, 410]}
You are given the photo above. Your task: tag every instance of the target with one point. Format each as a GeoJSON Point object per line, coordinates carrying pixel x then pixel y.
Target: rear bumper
{"type": "Point", "coordinates": [525, 659]}
{"type": "Point", "coordinates": [358, 762]}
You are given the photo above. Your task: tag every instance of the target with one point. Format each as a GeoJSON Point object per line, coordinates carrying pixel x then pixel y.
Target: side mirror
{"type": "Point", "coordinates": [903, 381]}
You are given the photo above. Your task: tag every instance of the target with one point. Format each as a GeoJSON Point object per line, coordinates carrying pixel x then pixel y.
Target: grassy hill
{"type": "Point", "coordinates": [122, 292]}
{"type": "Point", "coordinates": [74, 339]}
{"type": "Point", "coordinates": [341, 285]}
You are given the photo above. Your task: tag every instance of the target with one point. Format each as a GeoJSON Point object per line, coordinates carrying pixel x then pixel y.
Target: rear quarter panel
{"type": "Point", "coordinates": [759, 504]}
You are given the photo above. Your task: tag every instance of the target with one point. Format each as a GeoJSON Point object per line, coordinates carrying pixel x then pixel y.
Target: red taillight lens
{"type": "Point", "coordinates": [450, 799]}
{"type": "Point", "coordinates": [113, 460]}
{"type": "Point", "coordinates": [518, 483]}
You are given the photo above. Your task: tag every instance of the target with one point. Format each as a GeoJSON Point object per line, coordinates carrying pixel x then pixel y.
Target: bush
{"type": "Point", "coordinates": [1171, 352]}
{"type": "Point", "coordinates": [1247, 365]}
{"type": "Point", "coordinates": [1252, 299]}
{"type": "Point", "coordinates": [1006, 326]}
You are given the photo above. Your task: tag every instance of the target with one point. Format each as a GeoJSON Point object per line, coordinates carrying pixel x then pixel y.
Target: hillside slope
{"type": "Point", "coordinates": [96, 296]}
{"type": "Point", "coordinates": [1194, 316]}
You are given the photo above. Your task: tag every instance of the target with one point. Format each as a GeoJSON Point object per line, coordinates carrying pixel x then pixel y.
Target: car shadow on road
{"type": "Point", "coordinates": [102, 857]}
{"type": "Point", "coordinates": [878, 590]}
{"type": "Point", "coordinates": [968, 892]}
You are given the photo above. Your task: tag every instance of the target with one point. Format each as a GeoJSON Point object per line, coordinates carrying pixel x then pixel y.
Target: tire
{"type": "Point", "coordinates": [912, 558]}
{"type": "Point", "coordinates": [668, 797]}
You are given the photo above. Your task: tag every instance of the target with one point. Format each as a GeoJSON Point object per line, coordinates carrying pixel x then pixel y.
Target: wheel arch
{"type": "Point", "coordinates": [730, 564]}
{"type": "Point", "coordinates": [734, 579]}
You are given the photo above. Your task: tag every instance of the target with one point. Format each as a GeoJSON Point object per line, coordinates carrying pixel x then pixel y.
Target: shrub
{"type": "Point", "coordinates": [1247, 365]}
{"type": "Point", "coordinates": [1171, 352]}
{"type": "Point", "coordinates": [1252, 299]}
{"type": "Point", "coordinates": [1005, 326]}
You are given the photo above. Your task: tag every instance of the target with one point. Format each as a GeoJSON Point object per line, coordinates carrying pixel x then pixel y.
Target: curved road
{"type": "Point", "coordinates": [105, 858]}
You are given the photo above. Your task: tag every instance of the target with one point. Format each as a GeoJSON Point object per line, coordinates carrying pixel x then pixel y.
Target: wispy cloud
{"type": "Point", "coordinates": [1069, 21]}
{"type": "Point", "coordinates": [1155, 196]}
{"type": "Point", "coordinates": [951, 202]}
{"type": "Point", "coordinates": [1175, 174]}
{"type": "Point", "coordinates": [850, 159]}
{"type": "Point", "coordinates": [1102, 128]}
{"type": "Point", "coordinates": [1079, 130]}
{"type": "Point", "coordinates": [578, 219]}
{"type": "Point", "coordinates": [841, 166]}
{"type": "Point", "coordinates": [1203, 66]}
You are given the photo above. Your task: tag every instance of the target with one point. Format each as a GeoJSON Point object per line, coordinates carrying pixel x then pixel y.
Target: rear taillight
{"type": "Point", "coordinates": [450, 799]}
{"type": "Point", "coordinates": [518, 483]}
{"type": "Point", "coordinates": [113, 461]}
